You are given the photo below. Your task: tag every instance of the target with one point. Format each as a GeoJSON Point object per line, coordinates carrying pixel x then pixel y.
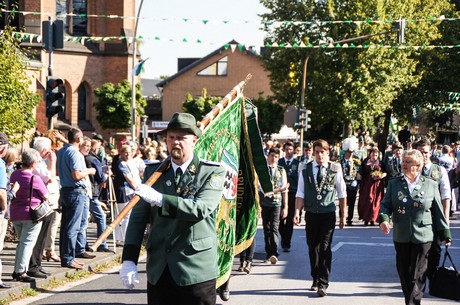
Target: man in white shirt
{"type": "Point", "coordinates": [320, 184]}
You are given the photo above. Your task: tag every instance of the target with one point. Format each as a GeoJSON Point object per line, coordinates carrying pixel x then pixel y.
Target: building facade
{"type": "Point", "coordinates": [218, 73]}
{"type": "Point", "coordinates": [96, 50]}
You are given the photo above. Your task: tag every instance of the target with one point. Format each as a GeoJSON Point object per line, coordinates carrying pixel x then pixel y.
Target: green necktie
{"type": "Point", "coordinates": [178, 175]}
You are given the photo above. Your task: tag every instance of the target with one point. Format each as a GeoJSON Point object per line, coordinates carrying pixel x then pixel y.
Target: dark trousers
{"type": "Point", "coordinates": [411, 263]}
{"type": "Point", "coordinates": [287, 224]}
{"type": "Point", "coordinates": [271, 222]}
{"type": "Point", "coordinates": [351, 200]}
{"type": "Point", "coordinates": [35, 263]}
{"type": "Point", "coordinates": [434, 255]}
{"type": "Point", "coordinates": [320, 229]}
{"type": "Point", "coordinates": [167, 292]}
{"type": "Point", "coordinates": [248, 254]}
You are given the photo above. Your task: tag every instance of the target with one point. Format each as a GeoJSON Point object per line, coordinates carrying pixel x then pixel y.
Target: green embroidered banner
{"type": "Point", "coordinates": [220, 142]}
{"type": "Point", "coordinates": [234, 140]}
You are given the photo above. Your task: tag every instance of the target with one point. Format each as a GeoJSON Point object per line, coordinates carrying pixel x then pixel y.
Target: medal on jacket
{"type": "Point", "coordinates": [320, 187]}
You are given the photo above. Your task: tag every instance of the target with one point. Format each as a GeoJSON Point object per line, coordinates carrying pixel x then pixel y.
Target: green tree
{"type": "Point", "coordinates": [114, 105]}
{"type": "Point", "coordinates": [350, 84]}
{"type": "Point", "coordinates": [270, 115]}
{"type": "Point", "coordinates": [17, 102]}
{"type": "Point", "coordinates": [201, 105]}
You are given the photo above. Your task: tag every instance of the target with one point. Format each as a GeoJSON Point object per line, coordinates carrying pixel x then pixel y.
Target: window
{"type": "Point", "coordinates": [76, 24]}
{"type": "Point", "coordinates": [82, 102]}
{"type": "Point", "coordinates": [11, 19]}
{"type": "Point", "coordinates": [217, 68]}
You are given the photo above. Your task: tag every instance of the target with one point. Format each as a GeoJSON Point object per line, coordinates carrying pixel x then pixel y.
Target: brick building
{"type": "Point", "coordinates": [83, 64]}
{"type": "Point", "coordinates": [218, 72]}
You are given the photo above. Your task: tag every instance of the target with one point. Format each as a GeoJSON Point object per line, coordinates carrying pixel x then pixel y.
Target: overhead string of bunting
{"type": "Point", "coordinates": [452, 103]}
{"type": "Point", "coordinates": [214, 21]}
{"type": "Point", "coordinates": [31, 38]}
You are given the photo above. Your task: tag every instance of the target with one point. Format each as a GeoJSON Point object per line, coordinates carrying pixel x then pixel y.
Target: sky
{"type": "Point", "coordinates": [163, 27]}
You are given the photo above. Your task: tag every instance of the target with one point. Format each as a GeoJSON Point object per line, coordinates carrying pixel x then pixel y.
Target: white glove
{"type": "Point", "coordinates": [128, 274]}
{"type": "Point", "coordinates": [150, 195]}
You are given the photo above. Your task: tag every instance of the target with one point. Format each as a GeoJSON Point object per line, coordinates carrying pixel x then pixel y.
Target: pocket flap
{"type": "Point", "coordinates": [203, 244]}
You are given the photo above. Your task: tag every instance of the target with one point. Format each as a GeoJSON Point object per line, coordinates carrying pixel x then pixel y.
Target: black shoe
{"type": "Point", "coordinates": [37, 274]}
{"type": "Point", "coordinates": [24, 278]}
{"type": "Point", "coordinates": [349, 223]}
{"type": "Point", "coordinates": [314, 287]}
{"type": "Point", "coordinates": [322, 292]}
{"type": "Point", "coordinates": [286, 249]}
{"type": "Point", "coordinates": [5, 286]}
{"type": "Point", "coordinates": [45, 271]}
{"type": "Point", "coordinates": [366, 223]}
{"type": "Point", "coordinates": [104, 250]}
{"type": "Point", "coordinates": [224, 294]}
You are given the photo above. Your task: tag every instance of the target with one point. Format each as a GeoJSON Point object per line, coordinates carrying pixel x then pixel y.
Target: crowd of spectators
{"type": "Point", "coordinates": [72, 173]}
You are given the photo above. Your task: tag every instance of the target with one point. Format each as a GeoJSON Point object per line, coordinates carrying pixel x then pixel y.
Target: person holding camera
{"type": "Point", "coordinates": [97, 182]}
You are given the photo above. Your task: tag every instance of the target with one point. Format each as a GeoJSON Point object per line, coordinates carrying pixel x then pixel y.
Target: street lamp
{"type": "Point", "coordinates": [133, 76]}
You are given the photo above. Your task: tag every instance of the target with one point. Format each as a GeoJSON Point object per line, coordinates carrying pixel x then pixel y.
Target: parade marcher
{"type": "Point", "coordinates": [413, 202]}
{"type": "Point", "coordinates": [372, 187]}
{"type": "Point", "coordinates": [291, 166]}
{"type": "Point", "coordinates": [361, 152]}
{"type": "Point", "coordinates": [306, 157]}
{"type": "Point", "coordinates": [438, 174]}
{"type": "Point", "coordinates": [274, 205]}
{"type": "Point", "coordinates": [393, 164]}
{"type": "Point", "coordinates": [350, 167]}
{"type": "Point", "coordinates": [182, 242]}
{"type": "Point", "coordinates": [320, 184]}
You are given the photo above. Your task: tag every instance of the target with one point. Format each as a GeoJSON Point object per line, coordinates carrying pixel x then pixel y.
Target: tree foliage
{"type": "Point", "coordinates": [270, 115]}
{"type": "Point", "coordinates": [114, 105]}
{"type": "Point", "coordinates": [201, 105]}
{"type": "Point", "coordinates": [351, 84]}
{"type": "Point", "coordinates": [17, 102]}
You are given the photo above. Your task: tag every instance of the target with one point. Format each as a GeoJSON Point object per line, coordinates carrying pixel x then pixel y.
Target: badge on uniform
{"type": "Point", "coordinates": [215, 182]}
{"type": "Point", "coordinates": [168, 183]}
{"type": "Point", "coordinates": [400, 195]}
{"type": "Point", "coordinates": [401, 210]}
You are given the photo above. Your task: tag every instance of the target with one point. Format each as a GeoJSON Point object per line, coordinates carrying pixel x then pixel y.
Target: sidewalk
{"type": "Point", "coordinates": [57, 272]}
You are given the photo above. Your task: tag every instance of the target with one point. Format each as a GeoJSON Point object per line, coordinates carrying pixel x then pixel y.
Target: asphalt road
{"type": "Point", "coordinates": [363, 272]}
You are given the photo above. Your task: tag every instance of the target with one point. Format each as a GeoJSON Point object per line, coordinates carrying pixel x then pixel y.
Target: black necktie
{"type": "Point", "coordinates": [319, 176]}
{"type": "Point", "coordinates": [425, 171]}
{"type": "Point", "coordinates": [178, 175]}
{"type": "Point", "coordinates": [288, 163]}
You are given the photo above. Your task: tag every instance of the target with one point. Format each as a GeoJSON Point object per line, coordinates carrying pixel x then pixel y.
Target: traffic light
{"type": "Point", "coordinates": [400, 26]}
{"type": "Point", "coordinates": [300, 124]}
{"type": "Point", "coordinates": [307, 119]}
{"type": "Point", "coordinates": [55, 96]}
